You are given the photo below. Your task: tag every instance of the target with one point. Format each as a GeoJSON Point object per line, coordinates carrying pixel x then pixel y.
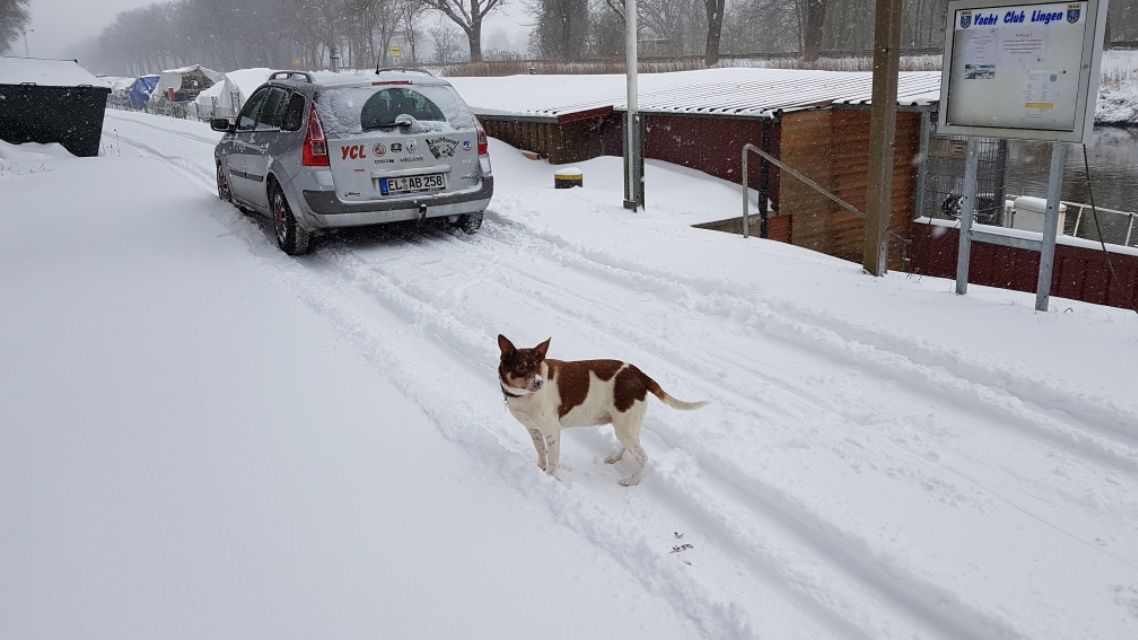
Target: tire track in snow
{"type": "Point", "coordinates": [418, 379]}
{"type": "Point", "coordinates": [428, 316]}
{"type": "Point", "coordinates": [825, 336]}
{"type": "Point", "coordinates": [191, 171]}
{"type": "Point", "coordinates": [898, 588]}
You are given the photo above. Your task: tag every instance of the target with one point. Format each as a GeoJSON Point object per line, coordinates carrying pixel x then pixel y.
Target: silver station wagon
{"type": "Point", "coordinates": [319, 150]}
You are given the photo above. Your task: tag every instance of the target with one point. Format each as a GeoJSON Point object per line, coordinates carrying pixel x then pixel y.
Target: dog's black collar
{"type": "Point", "coordinates": [507, 395]}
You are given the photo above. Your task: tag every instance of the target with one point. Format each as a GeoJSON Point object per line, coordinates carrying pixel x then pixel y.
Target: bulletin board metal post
{"type": "Point", "coordinates": [1020, 69]}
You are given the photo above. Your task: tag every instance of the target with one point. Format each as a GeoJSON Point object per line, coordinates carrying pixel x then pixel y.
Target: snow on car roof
{"type": "Point", "coordinates": [757, 93]}
{"type": "Point", "coordinates": [365, 77]}
{"type": "Point", "coordinates": [47, 73]}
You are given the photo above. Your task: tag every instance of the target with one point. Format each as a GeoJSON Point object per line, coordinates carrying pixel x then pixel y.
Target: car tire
{"type": "Point", "coordinates": [292, 237]}
{"type": "Point", "coordinates": [470, 222]}
{"type": "Point", "coordinates": [223, 191]}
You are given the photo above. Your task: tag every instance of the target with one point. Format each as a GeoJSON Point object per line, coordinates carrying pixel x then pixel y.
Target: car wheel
{"type": "Point", "coordinates": [470, 222]}
{"type": "Point", "coordinates": [223, 185]}
{"type": "Point", "coordinates": [292, 237]}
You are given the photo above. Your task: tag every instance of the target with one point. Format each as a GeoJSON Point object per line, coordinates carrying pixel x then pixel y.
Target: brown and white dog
{"type": "Point", "coordinates": [549, 395]}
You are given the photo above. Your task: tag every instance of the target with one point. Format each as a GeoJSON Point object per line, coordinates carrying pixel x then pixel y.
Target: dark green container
{"type": "Point", "coordinates": [71, 116]}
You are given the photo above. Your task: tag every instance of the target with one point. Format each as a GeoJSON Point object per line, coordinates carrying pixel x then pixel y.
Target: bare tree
{"type": "Point", "coordinates": [762, 26]}
{"type": "Point", "coordinates": [410, 14]}
{"type": "Point", "coordinates": [812, 31]}
{"type": "Point", "coordinates": [561, 28]}
{"type": "Point", "coordinates": [13, 21]}
{"type": "Point", "coordinates": [468, 17]}
{"type": "Point", "coordinates": [446, 40]}
{"type": "Point", "coordinates": [714, 10]}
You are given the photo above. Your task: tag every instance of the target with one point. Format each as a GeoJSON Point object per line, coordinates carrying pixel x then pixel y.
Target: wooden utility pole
{"type": "Point", "coordinates": [882, 134]}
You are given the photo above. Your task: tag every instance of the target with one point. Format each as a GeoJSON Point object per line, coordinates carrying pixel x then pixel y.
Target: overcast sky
{"type": "Point", "coordinates": [60, 24]}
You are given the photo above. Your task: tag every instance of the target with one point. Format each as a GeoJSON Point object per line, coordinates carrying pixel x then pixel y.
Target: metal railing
{"type": "Point", "coordinates": [1086, 207]}
{"type": "Point", "coordinates": [1080, 208]}
{"type": "Point", "coordinates": [807, 181]}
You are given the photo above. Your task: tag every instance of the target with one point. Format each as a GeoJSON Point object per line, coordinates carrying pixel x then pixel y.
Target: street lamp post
{"type": "Point", "coordinates": [633, 142]}
{"type": "Point", "coordinates": [26, 32]}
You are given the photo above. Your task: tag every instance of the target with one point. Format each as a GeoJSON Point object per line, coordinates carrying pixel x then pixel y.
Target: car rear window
{"type": "Point", "coordinates": [359, 110]}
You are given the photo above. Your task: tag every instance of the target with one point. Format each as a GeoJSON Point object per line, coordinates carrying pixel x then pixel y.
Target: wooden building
{"type": "Point", "coordinates": [814, 121]}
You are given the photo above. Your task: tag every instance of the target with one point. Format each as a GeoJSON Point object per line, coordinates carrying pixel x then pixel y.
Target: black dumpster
{"type": "Point", "coordinates": [51, 106]}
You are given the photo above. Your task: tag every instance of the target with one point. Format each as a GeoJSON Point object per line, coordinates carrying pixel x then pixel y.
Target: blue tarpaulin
{"type": "Point", "coordinates": [141, 89]}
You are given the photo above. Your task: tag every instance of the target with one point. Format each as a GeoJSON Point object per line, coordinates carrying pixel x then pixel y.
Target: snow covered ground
{"type": "Point", "coordinates": [204, 438]}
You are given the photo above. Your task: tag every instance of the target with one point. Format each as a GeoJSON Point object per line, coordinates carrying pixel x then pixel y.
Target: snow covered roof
{"type": "Point", "coordinates": [47, 73]}
{"type": "Point", "coordinates": [755, 93]}
{"type": "Point", "coordinates": [247, 80]}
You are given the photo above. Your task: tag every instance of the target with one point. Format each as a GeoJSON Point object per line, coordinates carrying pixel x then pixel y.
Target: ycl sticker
{"type": "Point", "coordinates": [355, 152]}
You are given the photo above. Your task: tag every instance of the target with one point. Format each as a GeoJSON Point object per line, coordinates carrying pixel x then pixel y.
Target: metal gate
{"type": "Point", "coordinates": [942, 176]}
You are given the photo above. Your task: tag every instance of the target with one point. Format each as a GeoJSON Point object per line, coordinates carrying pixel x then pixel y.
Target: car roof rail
{"type": "Point", "coordinates": [403, 70]}
{"type": "Point", "coordinates": [291, 75]}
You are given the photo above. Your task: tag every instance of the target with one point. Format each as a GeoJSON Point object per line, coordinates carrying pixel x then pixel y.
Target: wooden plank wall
{"type": "Point", "coordinates": [1080, 273]}
{"type": "Point", "coordinates": [559, 143]}
{"type": "Point", "coordinates": [831, 147]}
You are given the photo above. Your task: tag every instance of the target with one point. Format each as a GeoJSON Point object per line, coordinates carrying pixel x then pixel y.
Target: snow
{"type": "Point", "coordinates": [47, 73]}
{"type": "Point", "coordinates": [246, 81]}
{"type": "Point", "coordinates": [243, 82]}
{"type": "Point", "coordinates": [206, 438]}
{"type": "Point", "coordinates": [750, 92]}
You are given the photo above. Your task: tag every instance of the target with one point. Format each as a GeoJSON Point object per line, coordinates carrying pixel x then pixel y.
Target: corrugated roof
{"type": "Point", "coordinates": [763, 97]}
{"type": "Point", "coordinates": [47, 73]}
{"type": "Point", "coordinates": [753, 93]}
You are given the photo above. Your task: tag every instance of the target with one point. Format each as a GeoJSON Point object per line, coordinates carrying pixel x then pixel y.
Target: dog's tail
{"type": "Point", "coordinates": [674, 403]}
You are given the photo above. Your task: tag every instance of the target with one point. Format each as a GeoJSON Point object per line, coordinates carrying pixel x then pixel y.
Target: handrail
{"type": "Point", "coordinates": [810, 183]}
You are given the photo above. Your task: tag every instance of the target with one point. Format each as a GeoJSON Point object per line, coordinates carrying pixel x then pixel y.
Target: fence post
{"type": "Point", "coordinates": [1050, 227]}
{"type": "Point", "coordinates": [967, 211]}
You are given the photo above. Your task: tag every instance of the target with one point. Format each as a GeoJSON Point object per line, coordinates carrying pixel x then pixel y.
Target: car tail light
{"type": "Point", "coordinates": [315, 146]}
{"type": "Point", "coordinates": [483, 145]}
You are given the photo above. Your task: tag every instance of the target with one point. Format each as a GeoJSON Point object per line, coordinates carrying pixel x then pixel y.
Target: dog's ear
{"type": "Point", "coordinates": [505, 345]}
{"type": "Point", "coordinates": [542, 348]}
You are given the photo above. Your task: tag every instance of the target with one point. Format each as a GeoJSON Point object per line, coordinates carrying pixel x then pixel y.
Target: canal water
{"type": "Point", "coordinates": [1113, 156]}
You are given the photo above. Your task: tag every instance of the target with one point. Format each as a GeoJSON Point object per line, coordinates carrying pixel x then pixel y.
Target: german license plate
{"type": "Point", "coordinates": [411, 184]}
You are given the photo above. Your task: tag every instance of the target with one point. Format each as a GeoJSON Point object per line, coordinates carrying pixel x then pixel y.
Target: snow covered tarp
{"type": "Point", "coordinates": [226, 97]}
{"type": "Point", "coordinates": [51, 101]}
{"type": "Point", "coordinates": [184, 83]}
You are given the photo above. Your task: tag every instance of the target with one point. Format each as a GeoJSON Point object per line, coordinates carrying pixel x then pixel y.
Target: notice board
{"type": "Point", "coordinates": [1021, 69]}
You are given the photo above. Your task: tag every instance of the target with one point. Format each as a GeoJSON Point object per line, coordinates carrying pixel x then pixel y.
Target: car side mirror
{"type": "Point", "coordinates": [221, 124]}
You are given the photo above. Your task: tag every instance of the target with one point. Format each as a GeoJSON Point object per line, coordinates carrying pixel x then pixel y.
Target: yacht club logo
{"type": "Point", "coordinates": [441, 147]}
{"type": "Point", "coordinates": [965, 19]}
{"type": "Point", "coordinates": [1073, 11]}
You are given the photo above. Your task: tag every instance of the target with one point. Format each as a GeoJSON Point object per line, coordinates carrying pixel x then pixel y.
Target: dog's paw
{"type": "Point", "coordinates": [630, 481]}
{"type": "Point", "coordinates": [615, 458]}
